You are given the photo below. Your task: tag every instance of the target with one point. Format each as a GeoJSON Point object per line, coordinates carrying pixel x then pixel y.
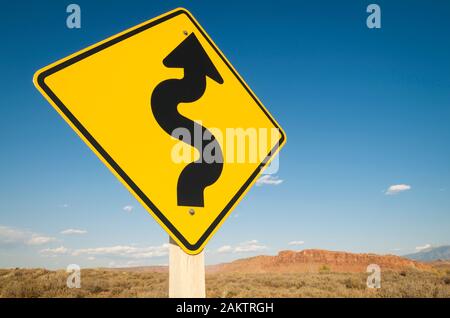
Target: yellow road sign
{"type": "Point", "coordinates": [166, 112]}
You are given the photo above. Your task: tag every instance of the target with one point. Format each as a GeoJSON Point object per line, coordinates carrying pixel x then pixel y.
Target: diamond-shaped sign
{"type": "Point", "coordinates": [162, 107]}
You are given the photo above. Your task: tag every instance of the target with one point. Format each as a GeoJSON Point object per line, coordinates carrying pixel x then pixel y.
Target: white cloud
{"type": "Point", "coordinates": [249, 246]}
{"type": "Point", "coordinates": [130, 263]}
{"type": "Point", "coordinates": [40, 239]}
{"type": "Point", "coordinates": [397, 188]}
{"type": "Point", "coordinates": [225, 249]}
{"type": "Point", "coordinates": [73, 231]}
{"type": "Point", "coordinates": [244, 247]}
{"type": "Point", "coordinates": [424, 247]}
{"type": "Point", "coordinates": [128, 208]}
{"type": "Point", "coordinates": [53, 252]}
{"type": "Point", "coordinates": [64, 205]}
{"type": "Point", "coordinates": [11, 235]}
{"type": "Point", "coordinates": [268, 179]}
{"type": "Point", "coordinates": [296, 243]}
{"type": "Point", "coordinates": [125, 251]}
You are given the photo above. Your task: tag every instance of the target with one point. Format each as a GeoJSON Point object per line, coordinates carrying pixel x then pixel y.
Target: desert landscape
{"type": "Point", "coordinates": [307, 273]}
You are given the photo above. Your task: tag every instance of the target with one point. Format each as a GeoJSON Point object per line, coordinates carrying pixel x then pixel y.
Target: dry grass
{"type": "Point", "coordinates": [108, 283]}
{"type": "Point", "coordinates": [412, 284]}
{"type": "Point", "coordinates": [94, 283]}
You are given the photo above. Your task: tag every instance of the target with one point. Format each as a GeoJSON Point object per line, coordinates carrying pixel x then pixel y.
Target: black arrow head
{"type": "Point", "coordinates": [191, 56]}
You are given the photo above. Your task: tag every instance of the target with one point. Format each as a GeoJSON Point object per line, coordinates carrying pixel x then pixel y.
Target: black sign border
{"type": "Point", "coordinates": [41, 82]}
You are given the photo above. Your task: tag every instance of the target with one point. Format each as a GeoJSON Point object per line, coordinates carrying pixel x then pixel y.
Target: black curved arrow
{"type": "Point", "coordinates": [190, 56]}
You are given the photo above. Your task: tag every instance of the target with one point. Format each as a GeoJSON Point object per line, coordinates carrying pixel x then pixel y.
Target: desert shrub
{"type": "Point", "coordinates": [95, 289]}
{"type": "Point", "coordinates": [20, 290]}
{"type": "Point", "coordinates": [446, 280]}
{"type": "Point", "coordinates": [354, 283]}
{"type": "Point", "coordinates": [110, 283]}
{"type": "Point", "coordinates": [324, 269]}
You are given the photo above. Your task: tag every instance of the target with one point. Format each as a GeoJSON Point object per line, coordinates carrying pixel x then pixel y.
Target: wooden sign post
{"type": "Point", "coordinates": [186, 273]}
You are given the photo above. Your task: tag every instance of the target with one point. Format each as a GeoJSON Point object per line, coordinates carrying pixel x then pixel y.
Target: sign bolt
{"type": "Point", "coordinates": [185, 32]}
{"type": "Point", "coordinates": [191, 211]}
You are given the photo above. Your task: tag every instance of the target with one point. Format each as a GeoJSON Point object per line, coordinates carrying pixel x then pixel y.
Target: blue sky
{"type": "Point", "coordinates": [363, 109]}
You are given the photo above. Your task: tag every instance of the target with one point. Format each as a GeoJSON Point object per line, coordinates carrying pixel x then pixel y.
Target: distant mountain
{"type": "Point", "coordinates": [307, 261]}
{"type": "Point", "coordinates": [313, 260]}
{"type": "Point", "coordinates": [431, 254]}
